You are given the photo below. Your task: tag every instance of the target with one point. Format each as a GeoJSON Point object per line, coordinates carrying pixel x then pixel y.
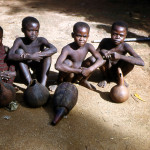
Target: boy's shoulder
{"type": "Point", "coordinates": [19, 39]}
{"type": "Point", "coordinates": [41, 38]}
{"type": "Point", "coordinates": [105, 40]}
{"type": "Point", "coordinates": [126, 44]}
{"type": "Point", "coordinates": [88, 46]}
{"type": "Point", "coordinates": [68, 46]}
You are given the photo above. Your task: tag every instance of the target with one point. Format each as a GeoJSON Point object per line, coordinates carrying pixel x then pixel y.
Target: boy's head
{"type": "Point", "coordinates": [1, 35]}
{"type": "Point", "coordinates": [81, 33]}
{"type": "Point", "coordinates": [30, 27]}
{"type": "Point", "coordinates": [119, 31]}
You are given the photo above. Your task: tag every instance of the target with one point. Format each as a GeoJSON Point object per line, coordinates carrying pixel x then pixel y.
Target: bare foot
{"type": "Point", "coordinates": [86, 84]}
{"type": "Point", "coordinates": [102, 84]}
{"type": "Point", "coordinates": [16, 89]}
{"type": "Point", "coordinates": [52, 87]}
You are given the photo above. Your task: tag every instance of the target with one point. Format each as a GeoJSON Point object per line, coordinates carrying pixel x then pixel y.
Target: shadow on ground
{"type": "Point", "coordinates": [66, 135]}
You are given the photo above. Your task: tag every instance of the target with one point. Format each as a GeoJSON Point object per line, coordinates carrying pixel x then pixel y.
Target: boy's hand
{"type": "Point", "coordinates": [5, 75]}
{"type": "Point", "coordinates": [36, 56]}
{"type": "Point", "coordinates": [114, 56]}
{"type": "Point", "coordinates": [85, 71]}
{"type": "Point", "coordinates": [78, 71]}
{"type": "Point", "coordinates": [104, 53]}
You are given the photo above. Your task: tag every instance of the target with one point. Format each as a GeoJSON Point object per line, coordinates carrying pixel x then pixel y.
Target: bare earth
{"type": "Point", "coordinates": [95, 123]}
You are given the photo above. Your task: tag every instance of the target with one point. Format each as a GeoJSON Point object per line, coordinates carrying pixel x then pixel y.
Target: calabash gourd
{"type": "Point", "coordinates": [36, 94]}
{"type": "Point", "coordinates": [119, 93]}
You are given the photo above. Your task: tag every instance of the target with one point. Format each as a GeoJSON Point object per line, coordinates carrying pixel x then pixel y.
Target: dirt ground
{"type": "Point", "coordinates": [95, 123]}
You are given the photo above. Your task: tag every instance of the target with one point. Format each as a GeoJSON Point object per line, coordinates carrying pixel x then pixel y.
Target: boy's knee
{"type": "Point", "coordinates": [127, 68]}
{"type": "Point", "coordinates": [89, 61]}
{"type": "Point", "coordinates": [68, 62]}
{"type": "Point", "coordinates": [92, 59]}
{"type": "Point", "coordinates": [19, 51]}
{"type": "Point", "coordinates": [71, 75]}
{"type": "Point", "coordinates": [47, 59]}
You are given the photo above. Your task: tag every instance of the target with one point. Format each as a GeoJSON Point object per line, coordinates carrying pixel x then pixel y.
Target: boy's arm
{"type": "Point", "coordinates": [10, 73]}
{"type": "Point", "coordinates": [49, 50]}
{"type": "Point", "coordinates": [101, 48]}
{"type": "Point", "coordinates": [11, 53]}
{"type": "Point", "coordinates": [134, 58]}
{"type": "Point", "coordinates": [99, 61]}
{"type": "Point", "coordinates": [61, 66]}
{"type": "Point", "coordinates": [7, 74]}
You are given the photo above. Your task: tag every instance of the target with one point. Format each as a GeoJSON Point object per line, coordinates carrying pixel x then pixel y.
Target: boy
{"type": "Point", "coordinates": [70, 62]}
{"type": "Point", "coordinates": [114, 51]}
{"type": "Point", "coordinates": [7, 70]}
{"type": "Point", "coordinates": [32, 51]}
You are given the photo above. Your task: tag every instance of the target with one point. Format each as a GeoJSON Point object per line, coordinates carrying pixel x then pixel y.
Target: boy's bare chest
{"type": "Point", "coordinates": [119, 49]}
{"type": "Point", "coordinates": [78, 55]}
{"type": "Point", "coordinates": [32, 48]}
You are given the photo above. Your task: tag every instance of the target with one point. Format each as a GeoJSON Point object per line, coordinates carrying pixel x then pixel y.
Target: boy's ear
{"type": "Point", "coordinates": [72, 34]}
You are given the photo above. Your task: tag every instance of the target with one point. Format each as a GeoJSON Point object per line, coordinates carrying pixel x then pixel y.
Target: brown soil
{"type": "Point", "coordinates": [95, 123]}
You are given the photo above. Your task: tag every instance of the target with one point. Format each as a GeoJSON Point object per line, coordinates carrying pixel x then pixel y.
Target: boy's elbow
{"type": "Point", "coordinates": [102, 61]}
{"type": "Point", "coordinates": [57, 67]}
{"type": "Point", "coordinates": [54, 50]}
{"type": "Point", "coordinates": [142, 64]}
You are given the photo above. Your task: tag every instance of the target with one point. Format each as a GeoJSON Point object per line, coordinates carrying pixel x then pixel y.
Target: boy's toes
{"type": "Point", "coordinates": [102, 84]}
{"type": "Point", "coordinates": [52, 87]}
{"type": "Point", "coordinates": [16, 89]}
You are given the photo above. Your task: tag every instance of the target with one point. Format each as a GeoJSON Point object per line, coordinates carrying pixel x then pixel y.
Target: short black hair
{"type": "Point", "coordinates": [120, 23]}
{"type": "Point", "coordinates": [28, 20]}
{"type": "Point", "coordinates": [80, 25]}
{"type": "Point", "coordinates": [1, 29]}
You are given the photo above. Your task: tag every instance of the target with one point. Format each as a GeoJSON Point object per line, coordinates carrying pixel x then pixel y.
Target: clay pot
{"type": "Point", "coordinates": [36, 94]}
{"type": "Point", "coordinates": [7, 93]}
{"type": "Point", "coordinates": [120, 92]}
{"type": "Point", "coordinates": [64, 99]}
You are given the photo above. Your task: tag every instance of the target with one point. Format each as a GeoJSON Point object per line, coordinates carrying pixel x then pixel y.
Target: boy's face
{"type": "Point", "coordinates": [118, 34]}
{"type": "Point", "coordinates": [80, 36]}
{"type": "Point", "coordinates": [31, 31]}
{"type": "Point", "coordinates": [1, 38]}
